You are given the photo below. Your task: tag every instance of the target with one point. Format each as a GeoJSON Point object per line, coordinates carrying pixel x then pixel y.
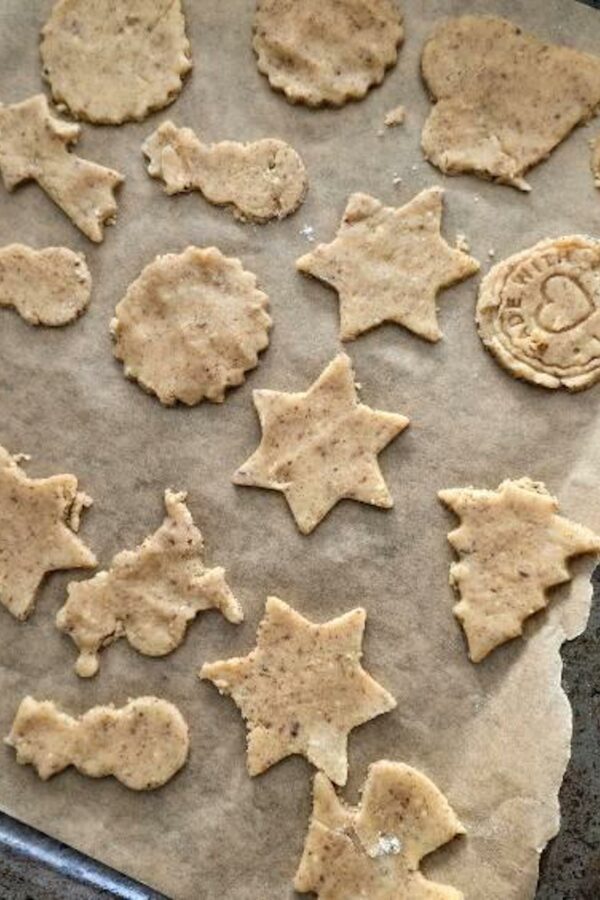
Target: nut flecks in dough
{"type": "Point", "coordinates": [34, 146]}
{"type": "Point", "coordinates": [262, 180]}
{"type": "Point", "coordinates": [321, 446]}
{"type": "Point", "coordinates": [512, 548]}
{"type": "Point", "coordinates": [111, 62]}
{"type": "Point", "coordinates": [191, 326]}
{"type": "Point", "coordinates": [46, 287]}
{"type": "Point", "coordinates": [149, 595]}
{"type": "Point", "coordinates": [302, 689]}
{"type": "Point", "coordinates": [38, 521]}
{"type": "Point", "coordinates": [595, 161]}
{"type": "Point", "coordinates": [498, 110]}
{"type": "Point", "coordinates": [388, 264]}
{"type": "Point", "coordinates": [143, 744]}
{"type": "Point", "coordinates": [538, 312]}
{"type": "Point", "coordinates": [374, 850]}
{"type": "Point", "coordinates": [326, 53]}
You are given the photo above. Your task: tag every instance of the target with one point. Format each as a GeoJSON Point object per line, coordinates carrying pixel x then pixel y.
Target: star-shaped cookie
{"type": "Point", "coordinates": [302, 689]}
{"type": "Point", "coordinates": [321, 446]}
{"type": "Point", "coordinates": [388, 264]}
{"type": "Point", "coordinates": [38, 521]}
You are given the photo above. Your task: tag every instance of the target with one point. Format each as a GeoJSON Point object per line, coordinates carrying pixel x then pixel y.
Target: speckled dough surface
{"type": "Point", "coordinates": [331, 52]}
{"type": "Point", "coordinates": [374, 850]}
{"type": "Point", "coordinates": [497, 109]}
{"type": "Point", "coordinates": [191, 325]}
{"type": "Point", "coordinates": [512, 548]}
{"type": "Point", "coordinates": [143, 744]}
{"type": "Point", "coordinates": [302, 689]}
{"type": "Point", "coordinates": [110, 61]}
{"type": "Point", "coordinates": [388, 264]}
{"type": "Point", "coordinates": [538, 312]}
{"type": "Point", "coordinates": [46, 287]}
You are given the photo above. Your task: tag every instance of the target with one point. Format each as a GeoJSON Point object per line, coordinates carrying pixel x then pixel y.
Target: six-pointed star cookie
{"type": "Point", "coordinates": [389, 263]}
{"type": "Point", "coordinates": [302, 689]}
{"type": "Point", "coordinates": [321, 446]}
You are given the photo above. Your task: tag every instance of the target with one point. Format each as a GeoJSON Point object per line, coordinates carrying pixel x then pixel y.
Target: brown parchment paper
{"type": "Point", "coordinates": [494, 737]}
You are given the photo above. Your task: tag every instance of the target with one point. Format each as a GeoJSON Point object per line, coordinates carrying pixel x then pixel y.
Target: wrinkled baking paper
{"type": "Point", "coordinates": [494, 738]}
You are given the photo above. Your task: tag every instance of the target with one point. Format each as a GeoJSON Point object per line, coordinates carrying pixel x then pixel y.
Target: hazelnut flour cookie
{"type": "Point", "coordinates": [46, 287]}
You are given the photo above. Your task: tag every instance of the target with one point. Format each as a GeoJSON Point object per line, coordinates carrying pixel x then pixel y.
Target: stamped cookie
{"type": "Point", "coordinates": [326, 53]}
{"type": "Point", "coordinates": [191, 326]}
{"type": "Point", "coordinates": [503, 99]}
{"type": "Point", "coordinates": [374, 850]}
{"type": "Point", "coordinates": [112, 62]}
{"type": "Point", "coordinates": [259, 181]}
{"type": "Point", "coordinates": [538, 312]}
{"type": "Point", "coordinates": [143, 744]}
{"type": "Point", "coordinates": [46, 287]}
{"type": "Point", "coordinates": [302, 689]}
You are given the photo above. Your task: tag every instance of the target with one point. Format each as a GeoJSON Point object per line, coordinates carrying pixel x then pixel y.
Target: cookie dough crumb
{"type": "Point", "coordinates": [308, 232]}
{"type": "Point", "coordinates": [462, 243]}
{"type": "Point", "coordinates": [395, 117]}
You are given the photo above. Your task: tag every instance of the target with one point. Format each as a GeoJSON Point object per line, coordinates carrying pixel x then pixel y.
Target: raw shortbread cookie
{"type": "Point", "coordinates": [149, 595]}
{"type": "Point", "coordinates": [111, 62]}
{"type": "Point", "coordinates": [512, 547]}
{"type": "Point", "coordinates": [374, 850]}
{"type": "Point", "coordinates": [388, 264]}
{"type": "Point", "coordinates": [538, 312]}
{"type": "Point", "coordinates": [143, 744]}
{"type": "Point", "coordinates": [259, 181]}
{"type": "Point", "coordinates": [330, 52]}
{"type": "Point", "coordinates": [302, 689]}
{"type": "Point", "coordinates": [595, 161]}
{"type": "Point", "coordinates": [503, 99]}
{"type": "Point", "coordinates": [38, 521]}
{"type": "Point", "coordinates": [321, 446]}
{"type": "Point", "coordinates": [34, 146]}
{"type": "Point", "coordinates": [46, 287]}
{"type": "Point", "coordinates": [191, 326]}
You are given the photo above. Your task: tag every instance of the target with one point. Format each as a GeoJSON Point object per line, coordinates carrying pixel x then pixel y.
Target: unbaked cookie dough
{"type": "Point", "coordinates": [111, 61]}
{"type": "Point", "coordinates": [191, 326]}
{"type": "Point", "coordinates": [326, 52]}
{"type": "Point", "coordinates": [46, 287]}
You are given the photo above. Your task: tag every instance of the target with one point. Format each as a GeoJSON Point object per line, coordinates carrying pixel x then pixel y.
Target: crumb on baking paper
{"type": "Point", "coordinates": [397, 179]}
{"type": "Point", "coordinates": [308, 232]}
{"type": "Point", "coordinates": [462, 243]}
{"type": "Point", "coordinates": [491, 252]}
{"type": "Point", "coordinates": [395, 116]}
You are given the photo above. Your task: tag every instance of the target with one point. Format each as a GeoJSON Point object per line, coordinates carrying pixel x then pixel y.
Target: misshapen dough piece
{"type": "Point", "coordinates": [111, 62]}
{"type": "Point", "coordinates": [395, 117]}
{"type": "Point", "coordinates": [259, 181]}
{"type": "Point", "coordinates": [302, 689]}
{"type": "Point", "coordinates": [321, 446]}
{"type": "Point", "coordinates": [503, 98]}
{"type": "Point", "coordinates": [191, 326]}
{"type": "Point", "coordinates": [38, 521]}
{"type": "Point", "coordinates": [512, 548]}
{"type": "Point", "coordinates": [46, 287]}
{"type": "Point", "coordinates": [538, 312]}
{"type": "Point", "coordinates": [149, 595]}
{"type": "Point", "coordinates": [143, 744]}
{"type": "Point", "coordinates": [34, 146]}
{"type": "Point", "coordinates": [388, 264]}
{"type": "Point", "coordinates": [595, 161]}
{"type": "Point", "coordinates": [326, 53]}
{"type": "Point", "coordinates": [374, 850]}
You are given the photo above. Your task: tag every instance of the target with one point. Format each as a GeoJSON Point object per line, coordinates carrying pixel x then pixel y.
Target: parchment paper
{"type": "Point", "coordinates": [494, 737]}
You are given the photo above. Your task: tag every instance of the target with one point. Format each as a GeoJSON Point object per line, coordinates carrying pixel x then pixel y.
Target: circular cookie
{"type": "Point", "coordinates": [46, 287]}
{"type": "Point", "coordinates": [538, 312]}
{"type": "Point", "coordinates": [326, 52]}
{"type": "Point", "coordinates": [191, 326]}
{"type": "Point", "coordinates": [110, 61]}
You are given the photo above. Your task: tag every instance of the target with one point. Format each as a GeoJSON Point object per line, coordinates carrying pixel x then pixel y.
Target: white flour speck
{"type": "Point", "coordinates": [387, 845]}
{"type": "Point", "coordinates": [308, 232]}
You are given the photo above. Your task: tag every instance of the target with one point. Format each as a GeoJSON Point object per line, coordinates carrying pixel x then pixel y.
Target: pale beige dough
{"type": "Point", "coordinates": [46, 287]}
{"type": "Point", "coordinates": [149, 595]}
{"type": "Point", "coordinates": [373, 851]}
{"type": "Point", "coordinates": [302, 689]}
{"type": "Point", "coordinates": [39, 518]}
{"type": "Point", "coordinates": [259, 181]}
{"type": "Point", "coordinates": [388, 264]}
{"type": "Point", "coordinates": [326, 52]}
{"type": "Point", "coordinates": [111, 61]}
{"type": "Point", "coordinates": [321, 446]}
{"type": "Point", "coordinates": [34, 147]}
{"type": "Point", "coordinates": [538, 312]}
{"type": "Point", "coordinates": [503, 98]}
{"type": "Point", "coordinates": [595, 161]}
{"type": "Point", "coordinates": [143, 744]}
{"type": "Point", "coordinates": [191, 326]}
{"type": "Point", "coordinates": [395, 117]}
{"type": "Point", "coordinates": [512, 548]}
